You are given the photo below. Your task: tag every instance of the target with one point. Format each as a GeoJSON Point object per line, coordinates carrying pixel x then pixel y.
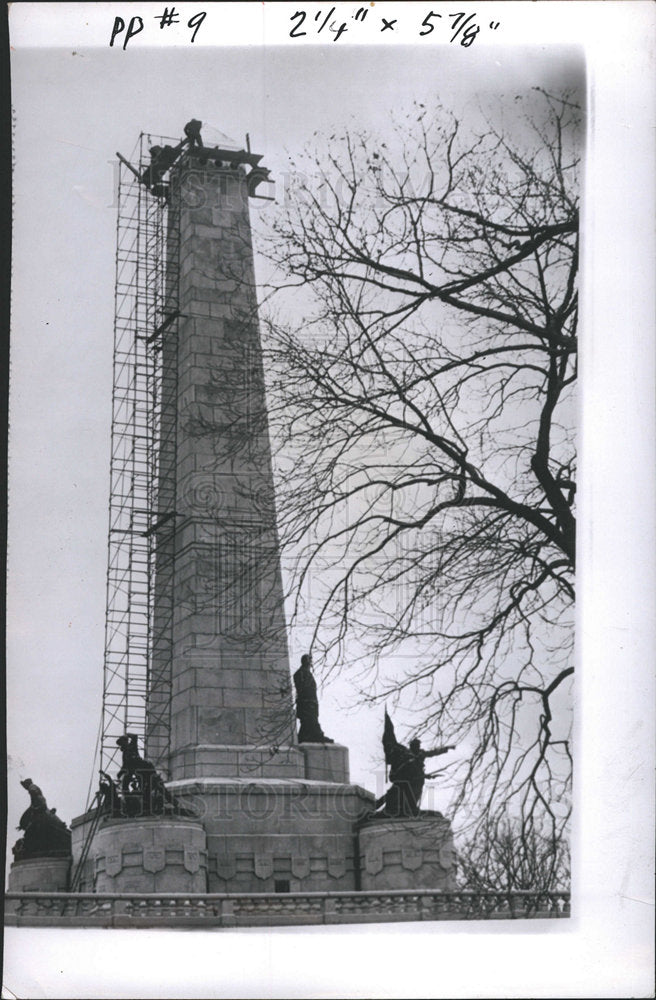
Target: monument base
{"type": "Point", "coordinates": [40, 875]}
{"type": "Point", "coordinates": [248, 835]}
{"type": "Point", "coordinates": [210, 760]}
{"type": "Point", "coordinates": [276, 835]}
{"type": "Point", "coordinates": [413, 853]}
{"type": "Point", "coordinates": [316, 761]}
{"type": "Point", "coordinates": [326, 762]}
{"type": "Point", "coordinates": [147, 854]}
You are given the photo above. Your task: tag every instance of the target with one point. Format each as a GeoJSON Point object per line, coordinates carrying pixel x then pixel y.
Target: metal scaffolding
{"type": "Point", "coordinates": [136, 688]}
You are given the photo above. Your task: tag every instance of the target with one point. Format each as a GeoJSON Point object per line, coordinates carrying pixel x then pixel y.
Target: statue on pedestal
{"type": "Point", "coordinates": [45, 834]}
{"type": "Point", "coordinates": [407, 774]}
{"type": "Point", "coordinates": [307, 704]}
{"type": "Point", "coordinates": [138, 790]}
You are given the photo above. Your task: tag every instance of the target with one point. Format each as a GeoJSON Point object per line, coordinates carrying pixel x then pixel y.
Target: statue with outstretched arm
{"type": "Point", "coordinates": [407, 773]}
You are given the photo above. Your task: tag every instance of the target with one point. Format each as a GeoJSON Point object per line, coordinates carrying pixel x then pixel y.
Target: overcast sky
{"type": "Point", "coordinates": [74, 107]}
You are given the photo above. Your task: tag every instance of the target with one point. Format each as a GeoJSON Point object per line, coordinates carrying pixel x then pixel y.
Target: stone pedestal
{"type": "Point", "coordinates": [277, 835]}
{"type": "Point", "coordinates": [154, 854]}
{"type": "Point", "coordinates": [326, 762]}
{"type": "Point", "coordinates": [415, 853]}
{"type": "Point", "coordinates": [238, 761]}
{"type": "Point", "coordinates": [40, 875]}
{"type": "Point", "coordinates": [315, 761]}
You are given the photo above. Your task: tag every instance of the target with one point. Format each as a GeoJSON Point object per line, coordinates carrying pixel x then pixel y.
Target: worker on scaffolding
{"type": "Point", "coordinates": [192, 132]}
{"type": "Point", "coordinates": [162, 159]}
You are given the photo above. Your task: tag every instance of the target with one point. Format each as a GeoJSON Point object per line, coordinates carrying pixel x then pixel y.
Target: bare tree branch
{"type": "Point", "coordinates": [423, 409]}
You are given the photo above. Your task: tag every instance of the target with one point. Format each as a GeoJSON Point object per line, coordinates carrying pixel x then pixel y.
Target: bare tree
{"type": "Point", "coordinates": [423, 407]}
{"type": "Point", "coordinates": [508, 860]}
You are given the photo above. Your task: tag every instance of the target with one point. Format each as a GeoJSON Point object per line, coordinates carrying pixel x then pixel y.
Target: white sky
{"type": "Point", "coordinates": [74, 107]}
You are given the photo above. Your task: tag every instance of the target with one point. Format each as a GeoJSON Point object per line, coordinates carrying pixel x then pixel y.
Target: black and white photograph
{"type": "Point", "coordinates": [330, 555]}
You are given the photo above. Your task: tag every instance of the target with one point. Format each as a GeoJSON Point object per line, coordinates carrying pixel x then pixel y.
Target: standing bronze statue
{"type": "Point", "coordinates": [307, 704]}
{"type": "Point", "coordinates": [407, 774]}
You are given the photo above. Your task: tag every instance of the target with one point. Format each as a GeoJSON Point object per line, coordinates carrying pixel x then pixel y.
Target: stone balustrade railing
{"type": "Point", "coordinates": [78, 909]}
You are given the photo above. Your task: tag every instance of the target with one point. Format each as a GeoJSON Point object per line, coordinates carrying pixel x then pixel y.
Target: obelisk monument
{"type": "Point", "coordinates": [230, 684]}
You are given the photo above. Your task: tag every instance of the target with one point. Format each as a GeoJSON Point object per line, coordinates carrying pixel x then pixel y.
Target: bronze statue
{"type": "Point", "coordinates": [407, 774]}
{"type": "Point", "coordinates": [307, 704]}
{"type": "Point", "coordinates": [45, 834]}
{"type": "Point", "coordinates": [110, 800]}
{"type": "Point", "coordinates": [38, 804]}
{"type": "Point", "coordinates": [141, 791]}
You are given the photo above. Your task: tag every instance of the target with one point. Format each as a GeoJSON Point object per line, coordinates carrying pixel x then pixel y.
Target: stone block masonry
{"type": "Point", "coordinates": [230, 665]}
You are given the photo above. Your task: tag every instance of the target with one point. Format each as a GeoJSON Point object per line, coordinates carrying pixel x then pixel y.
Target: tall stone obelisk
{"type": "Point", "coordinates": [231, 699]}
{"type": "Point", "coordinates": [276, 814]}
{"type": "Point", "coordinates": [263, 812]}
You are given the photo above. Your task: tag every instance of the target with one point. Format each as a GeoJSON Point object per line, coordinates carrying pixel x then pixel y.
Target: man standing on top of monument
{"type": "Point", "coordinates": [307, 704]}
{"type": "Point", "coordinates": [192, 132]}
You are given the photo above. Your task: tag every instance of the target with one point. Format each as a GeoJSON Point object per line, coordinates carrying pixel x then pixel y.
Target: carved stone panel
{"type": "Point", "coordinates": [373, 861]}
{"type": "Point", "coordinates": [191, 860]}
{"type": "Point", "coordinates": [336, 865]}
{"type": "Point", "coordinates": [263, 865]}
{"type": "Point", "coordinates": [411, 858]}
{"type": "Point", "coordinates": [300, 867]}
{"type": "Point", "coordinates": [113, 864]}
{"type": "Point", "coordinates": [225, 866]}
{"type": "Point", "coordinates": [154, 859]}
